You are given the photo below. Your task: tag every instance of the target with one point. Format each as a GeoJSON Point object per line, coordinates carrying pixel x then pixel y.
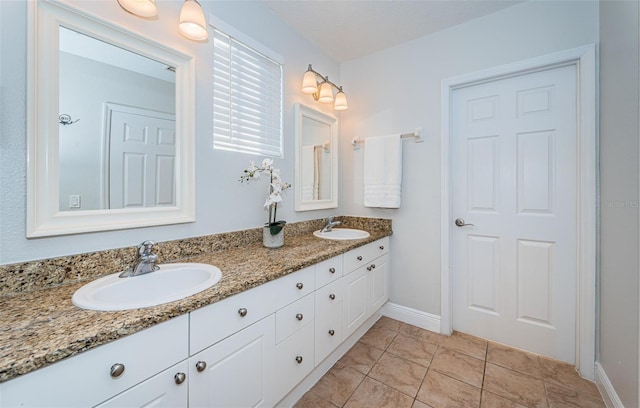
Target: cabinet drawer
{"type": "Point", "coordinates": [328, 271]}
{"type": "Point", "coordinates": [291, 318]}
{"type": "Point", "coordinates": [295, 286]}
{"type": "Point", "coordinates": [213, 323]}
{"type": "Point", "coordinates": [161, 390]}
{"type": "Point", "coordinates": [366, 253]}
{"type": "Point", "coordinates": [85, 380]}
{"type": "Point", "coordinates": [294, 360]}
{"type": "Point", "coordinates": [327, 296]}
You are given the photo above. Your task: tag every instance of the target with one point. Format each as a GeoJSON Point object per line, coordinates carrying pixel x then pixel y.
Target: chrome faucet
{"type": "Point", "coordinates": [329, 223]}
{"type": "Point", "coordinates": [145, 263]}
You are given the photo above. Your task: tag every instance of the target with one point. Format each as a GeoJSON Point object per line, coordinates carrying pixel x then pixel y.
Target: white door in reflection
{"type": "Point", "coordinates": [141, 158]}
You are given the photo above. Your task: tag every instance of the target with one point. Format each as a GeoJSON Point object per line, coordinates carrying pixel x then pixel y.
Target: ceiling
{"type": "Point", "coordinates": [351, 29]}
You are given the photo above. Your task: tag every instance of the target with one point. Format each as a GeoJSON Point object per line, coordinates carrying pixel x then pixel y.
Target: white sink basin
{"type": "Point", "coordinates": [341, 234]}
{"type": "Point", "coordinates": [169, 283]}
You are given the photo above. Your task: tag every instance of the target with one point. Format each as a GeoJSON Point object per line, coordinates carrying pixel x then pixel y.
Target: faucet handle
{"type": "Point", "coordinates": [146, 247]}
{"type": "Point", "coordinates": [329, 219]}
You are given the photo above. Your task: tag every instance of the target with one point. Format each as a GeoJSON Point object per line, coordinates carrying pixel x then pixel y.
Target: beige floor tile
{"type": "Point", "coordinates": [459, 366]}
{"type": "Point", "coordinates": [514, 386]}
{"type": "Point", "coordinates": [379, 337]}
{"type": "Point", "coordinates": [559, 396]}
{"type": "Point", "coordinates": [440, 391]}
{"type": "Point", "coordinates": [418, 404]}
{"type": "Point", "coordinates": [514, 359]}
{"type": "Point", "coordinates": [371, 393]}
{"type": "Point", "coordinates": [387, 323]}
{"type": "Point", "coordinates": [490, 400]}
{"type": "Point", "coordinates": [338, 384]}
{"type": "Point", "coordinates": [421, 334]}
{"type": "Point", "coordinates": [361, 357]}
{"type": "Point", "coordinates": [398, 373]}
{"type": "Point", "coordinates": [564, 374]}
{"type": "Point", "coordinates": [311, 400]}
{"type": "Point", "coordinates": [464, 343]}
{"type": "Point", "coordinates": [413, 349]}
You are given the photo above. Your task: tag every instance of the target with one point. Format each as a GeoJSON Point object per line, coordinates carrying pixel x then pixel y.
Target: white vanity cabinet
{"type": "Point", "coordinates": [95, 376]}
{"type": "Point", "coordinates": [250, 349]}
{"type": "Point", "coordinates": [365, 283]}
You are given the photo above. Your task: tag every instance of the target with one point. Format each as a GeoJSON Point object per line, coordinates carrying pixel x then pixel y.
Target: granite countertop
{"type": "Point", "coordinates": [41, 327]}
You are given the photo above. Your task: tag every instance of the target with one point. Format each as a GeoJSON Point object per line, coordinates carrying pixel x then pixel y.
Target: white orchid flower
{"type": "Point", "coordinates": [267, 164]}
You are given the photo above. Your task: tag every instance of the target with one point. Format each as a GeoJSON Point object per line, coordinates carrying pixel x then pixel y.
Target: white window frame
{"type": "Point", "coordinates": [226, 135]}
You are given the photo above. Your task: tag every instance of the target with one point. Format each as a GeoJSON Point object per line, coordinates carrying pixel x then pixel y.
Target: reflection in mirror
{"type": "Point", "coordinates": [316, 159]}
{"type": "Point", "coordinates": [122, 153]}
{"type": "Point", "coordinates": [109, 123]}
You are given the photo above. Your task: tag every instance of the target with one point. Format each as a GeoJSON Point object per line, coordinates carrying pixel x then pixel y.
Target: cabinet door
{"type": "Point", "coordinates": [377, 284]}
{"type": "Point", "coordinates": [236, 372]}
{"type": "Point", "coordinates": [328, 320]}
{"type": "Point", "coordinates": [294, 360]}
{"type": "Point", "coordinates": [164, 390]}
{"type": "Point", "coordinates": [355, 301]}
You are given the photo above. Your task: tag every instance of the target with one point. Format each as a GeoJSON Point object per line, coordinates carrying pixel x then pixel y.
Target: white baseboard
{"type": "Point", "coordinates": [411, 316]}
{"type": "Point", "coordinates": [606, 389]}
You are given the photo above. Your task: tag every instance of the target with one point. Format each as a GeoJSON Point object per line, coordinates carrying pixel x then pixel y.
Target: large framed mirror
{"type": "Point", "coordinates": [110, 126]}
{"type": "Point", "coordinates": [316, 159]}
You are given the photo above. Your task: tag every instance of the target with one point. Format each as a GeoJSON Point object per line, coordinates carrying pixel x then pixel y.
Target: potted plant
{"type": "Point", "coordinates": [273, 231]}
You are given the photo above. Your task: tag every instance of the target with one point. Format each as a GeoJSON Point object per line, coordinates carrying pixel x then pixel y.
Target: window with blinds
{"type": "Point", "coordinates": [247, 99]}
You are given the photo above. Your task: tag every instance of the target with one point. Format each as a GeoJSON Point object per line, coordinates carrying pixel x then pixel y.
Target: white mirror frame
{"type": "Point", "coordinates": [301, 112]}
{"type": "Point", "coordinates": [44, 217]}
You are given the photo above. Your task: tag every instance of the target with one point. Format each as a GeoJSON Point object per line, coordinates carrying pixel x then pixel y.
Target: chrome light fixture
{"type": "Point", "coordinates": [192, 22]}
{"type": "Point", "coordinates": [140, 8]}
{"type": "Point", "coordinates": [321, 88]}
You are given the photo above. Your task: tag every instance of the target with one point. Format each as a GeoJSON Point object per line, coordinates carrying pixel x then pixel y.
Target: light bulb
{"type": "Point", "coordinates": [192, 22]}
{"type": "Point", "coordinates": [341, 101]}
{"type": "Point", "coordinates": [326, 93]}
{"type": "Point", "coordinates": [141, 8]}
{"type": "Point", "coordinates": [309, 84]}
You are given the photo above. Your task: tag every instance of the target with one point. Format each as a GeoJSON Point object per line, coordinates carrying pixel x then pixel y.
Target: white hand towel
{"type": "Point", "coordinates": [383, 171]}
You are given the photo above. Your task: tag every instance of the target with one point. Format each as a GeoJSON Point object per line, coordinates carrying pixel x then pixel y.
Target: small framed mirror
{"type": "Point", "coordinates": [316, 144]}
{"type": "Point", "coordinates": [110, 126]}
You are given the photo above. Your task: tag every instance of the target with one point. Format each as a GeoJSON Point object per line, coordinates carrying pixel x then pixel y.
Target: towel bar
{"type": "Point", "coordinates": [414, 135]}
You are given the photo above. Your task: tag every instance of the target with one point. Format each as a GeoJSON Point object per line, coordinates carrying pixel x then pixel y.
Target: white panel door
{"type": "Point", "coordinates": [514, 177]}
{"type": "Point", "coordinates": [142, 150]}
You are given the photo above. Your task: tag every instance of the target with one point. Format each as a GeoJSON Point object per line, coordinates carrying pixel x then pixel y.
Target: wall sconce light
{"type": "Point", "coordinates": [322, 90]}
{"type": "Point", "coordinates": [140, 8]}
{"type": "Point", "coordinates": [192, 22]}
{"type": "Point", "coordinates": [192, 25]}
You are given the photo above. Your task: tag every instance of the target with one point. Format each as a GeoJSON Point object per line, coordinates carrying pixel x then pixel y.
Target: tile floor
{"type": "Point", "coordinates": [398, 365]}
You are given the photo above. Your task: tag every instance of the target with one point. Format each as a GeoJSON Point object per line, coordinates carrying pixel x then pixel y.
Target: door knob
{"type": "Point", "coordinates": [460, 223]}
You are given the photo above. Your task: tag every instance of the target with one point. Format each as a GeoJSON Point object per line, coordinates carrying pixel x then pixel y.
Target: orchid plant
{"type": "Point", "coordinates": [276, 187]}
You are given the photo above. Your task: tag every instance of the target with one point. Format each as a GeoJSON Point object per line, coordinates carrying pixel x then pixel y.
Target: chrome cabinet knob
{"type": "Point", "coordinates": [299, 359]}
{"type": "Point", "coordinates": [332, 332]}
{"type": "Point", "coordinates": [369, 268]}
{"type": "Point", "coordinates": [179, 378]}
{"type": "Point", "coordinates": [299, 285]}
{"type": "Point", "coordinates": [381, 247]}
{"type": "Point", "coordinates": [242, 312]}
{"type": "Point", "coordinates": [460, 223]}
{"type": "Point", "coordinates": [117, 370]}
{"type": "Point", "coordinates": [299, 316]}
{"type": "Point", "coordinates": [332, 296]}
{"type": "Point", "coordinates": [359, 258]}
{"type": "Point", "coordinates": [201, 366]}
{"type": "Point", "coordinates": [373, 266]}
{"type": "Point", "coordinates": [332, 270]}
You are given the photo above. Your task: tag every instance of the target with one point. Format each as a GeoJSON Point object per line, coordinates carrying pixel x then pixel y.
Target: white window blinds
{"type": "Point", "coordinates": [247, 99]}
